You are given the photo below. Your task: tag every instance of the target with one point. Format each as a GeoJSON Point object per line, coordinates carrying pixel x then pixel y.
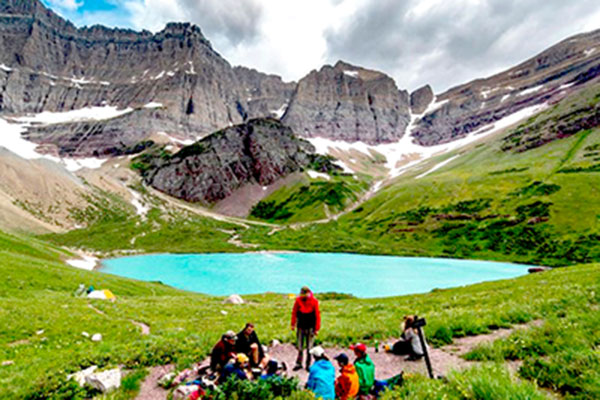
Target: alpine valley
{"type": "Point", "coordinates": [115, 142]}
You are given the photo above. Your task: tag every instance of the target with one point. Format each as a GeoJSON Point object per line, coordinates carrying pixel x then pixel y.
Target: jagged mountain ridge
{"type": "Point", "coordinates": [48, 64]}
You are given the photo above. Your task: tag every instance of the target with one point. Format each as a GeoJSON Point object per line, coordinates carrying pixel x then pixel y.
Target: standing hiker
{"type": "Point", "coordinates": [306, 320]}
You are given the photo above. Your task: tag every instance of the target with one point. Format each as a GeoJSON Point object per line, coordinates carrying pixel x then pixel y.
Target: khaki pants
{"type": "Point", "coordinates": [304, 340]}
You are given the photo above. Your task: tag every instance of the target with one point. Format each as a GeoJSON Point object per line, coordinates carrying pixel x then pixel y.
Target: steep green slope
{"type": "Point", "coordinates": [311, 199]}
{"type": "Point", "coordinates": [36, 294]}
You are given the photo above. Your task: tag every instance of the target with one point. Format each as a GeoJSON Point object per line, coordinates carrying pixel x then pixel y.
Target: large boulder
{"type": "Point", "coordinates": [105, 381]}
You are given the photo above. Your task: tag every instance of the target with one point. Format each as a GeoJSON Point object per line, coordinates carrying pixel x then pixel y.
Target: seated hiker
{"type": "Point", "coordinates": [306, 319]}
{"type": "Point", "coordinates": [346, 385]}
{"type": "Point", "coordinates": [223, 352]}
{"type": "Point", "coordinates": [410, 344]}
{"type": "Point", "coordinates": [321, 378]}
{"type": "Point", "coordinates": [239, 369]}
{"type": "Point", "coordinates": [365, 370]}
{"type": "Point", "coordinates": [248, 343]}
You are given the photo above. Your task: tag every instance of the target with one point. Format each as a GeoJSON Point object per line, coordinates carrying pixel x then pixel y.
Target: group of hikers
{"type": "Point", "coordinates": [241, 356]}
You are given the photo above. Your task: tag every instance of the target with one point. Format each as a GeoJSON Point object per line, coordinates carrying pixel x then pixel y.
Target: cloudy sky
{"type": "Point", "coordinates": [443, 43]}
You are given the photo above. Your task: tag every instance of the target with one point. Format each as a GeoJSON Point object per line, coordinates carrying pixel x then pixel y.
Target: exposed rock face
{"type": "Point", "coordinates": [47, 64]}
{"type": "Point", "coordinates": [545, 78]}
{"type": "Point", "coordinates": [348, 103]}
{"type": "Point", "coordinates": [260, 151]}
{"type": "Point", "coordinates": [420, 99]}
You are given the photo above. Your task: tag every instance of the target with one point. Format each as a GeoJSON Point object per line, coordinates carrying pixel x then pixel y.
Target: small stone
{"type": "Point", "coordinates": [40, 332]}
{"type": "Point", "coordinates": [223, 312]}
{"type": "Point", "coordinates": [84, 333]}
{"type": "Point", "coordinates": [96, 337]}
{"type": "Point", "coordinates": [7, 363]}
{"type": "Point", "coordinates": [234, 299]}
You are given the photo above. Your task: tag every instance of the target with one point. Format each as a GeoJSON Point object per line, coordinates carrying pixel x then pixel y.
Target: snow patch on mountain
{"type": "Point", "coordinates": [405, 154]}
{"type": "Point", "coordinates": [83, 114]}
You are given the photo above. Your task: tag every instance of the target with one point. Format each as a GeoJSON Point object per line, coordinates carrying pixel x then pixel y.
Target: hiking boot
{"type": "Point", "coordinates": [297, 367]}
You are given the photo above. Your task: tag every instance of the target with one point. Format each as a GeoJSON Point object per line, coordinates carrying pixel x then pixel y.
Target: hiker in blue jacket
{"type": "Point", "coordinates": [321, 379]}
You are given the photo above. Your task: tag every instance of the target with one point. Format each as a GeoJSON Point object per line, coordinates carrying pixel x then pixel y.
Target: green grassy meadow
{"type": "Point", "coordinates": [37, 294]}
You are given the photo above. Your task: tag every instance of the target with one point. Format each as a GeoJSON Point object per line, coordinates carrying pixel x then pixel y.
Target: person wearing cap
{"type": "Point", "coordinates": [248, 343]}
{"type": "Point", "coordinates": [347, 384]}
{"type": "Point", "coordinates": [306, 319]}
{"type": "Point", "coordinates": [238, 369]}
{"type": "Point", "coordinates": [321, 378]}
{"type": "Point", "coordinates": [223, 351]}
{"type": "Point", "coordinates": [364, 368]}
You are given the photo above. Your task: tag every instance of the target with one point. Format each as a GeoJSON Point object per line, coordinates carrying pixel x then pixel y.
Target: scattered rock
{"type": "Point", "coordinates": [40, 332]}
{"type": "Point", "coordinates": [96, 337]}
{"type": "Point", "coordinates": [537, 220]}
{"type": "Point", "coordinates": [81, 376]}
{"type": "Point", "coordinates": [234, 299]}
{"type": "Point", "coordinates": [7, 363]}
{"type": "Point", "coordinates": [223, 312]}
{"type": "Point", "coordinates": [105, 381]}
{"type": "Point", "coordinates": [84, 333]}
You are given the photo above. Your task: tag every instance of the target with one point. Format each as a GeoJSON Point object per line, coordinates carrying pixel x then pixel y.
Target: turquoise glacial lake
{"type": "Point", "coordinates": [359, 275]}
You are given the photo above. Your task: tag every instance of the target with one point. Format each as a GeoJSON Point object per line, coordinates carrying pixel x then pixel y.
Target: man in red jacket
{"type": "Point", "coordinates": [306, 319]}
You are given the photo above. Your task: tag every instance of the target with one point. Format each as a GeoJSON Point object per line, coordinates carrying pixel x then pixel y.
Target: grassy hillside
{"type": "Point", "coordinates": [41, 322]}
{"type": "Point", "coordinates": [312, 199]}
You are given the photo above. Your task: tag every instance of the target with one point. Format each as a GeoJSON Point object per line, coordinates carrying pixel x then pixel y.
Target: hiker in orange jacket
{"type": "Point", "coordinates": [346, 385]}
{"type": "Point", "coordinates": [306, 319]}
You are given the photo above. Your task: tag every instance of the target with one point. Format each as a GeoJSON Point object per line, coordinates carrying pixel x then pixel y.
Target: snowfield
{"type": "Point", "coordinates": [405, 154]}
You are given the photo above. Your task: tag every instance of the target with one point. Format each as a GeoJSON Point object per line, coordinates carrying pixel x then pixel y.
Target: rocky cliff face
{"type": "Point", "coordinates": [260, 151]}
{"type": "Point", "coordinates": [545, 78]}
{"type": "Point", "coordinates": [349, 103]}
{"type": "Point", "coordinates": [47, 64]}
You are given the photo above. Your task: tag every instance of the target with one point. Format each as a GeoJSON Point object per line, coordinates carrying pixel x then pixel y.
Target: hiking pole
{"type": "Point", "coordinates": [419, 324]}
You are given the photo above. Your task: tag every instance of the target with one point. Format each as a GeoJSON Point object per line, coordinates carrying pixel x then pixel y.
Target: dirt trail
{"type": "Point", "coordinates": [443, 359]}
{"type": "Point", "coordinates": [149, 390]}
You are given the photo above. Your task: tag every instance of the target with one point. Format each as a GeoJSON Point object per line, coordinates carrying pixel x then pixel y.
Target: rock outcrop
{"type": "Point", "coordinates": [420, 99]}
{"type": "Point", "coordinates": [348, 103]}
{"type": "Point", "coordinates": [260, 151]}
